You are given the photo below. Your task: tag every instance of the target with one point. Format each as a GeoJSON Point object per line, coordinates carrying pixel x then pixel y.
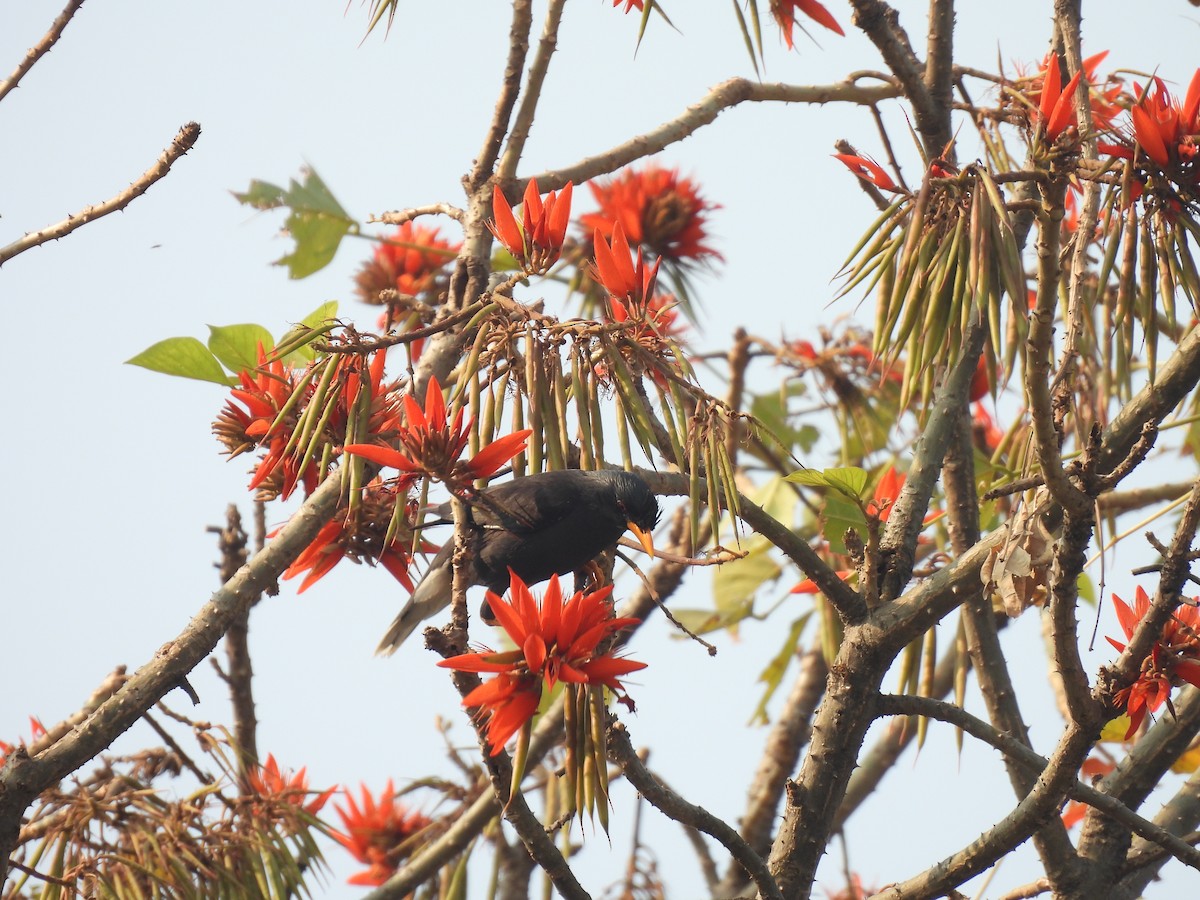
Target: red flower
{"type": "Point", "coordinates": [263, 394]}
{"type": "Point", "coordinates": [1173, 659]}
{"type": "Point", "coordinates": [408, 261]}
{"type": "Point", "coordinates": [263, 414]}
{"type": "Point", "coordinates": [537, 241]}
{"type": "Point", "coordinates": [868, 170]}
{"type": "Point", "coordinates": [808, 586]}
{"type": "Point", "coordinates": [652, 325]}
{"type": "Point", "coordinates": [629, 4]}
{"type": "Point", "coordinates": [617, 272]}
{"type": "Point", "coordinates": [360, 535]}
{"type": "Point", "coordinates": [784, 12]}
{"type": "Point", "coordinates": [658, 210]}
{"type": "Point", "coordinates": [1103, 101]}
{"type": "Point", "coordinates": [556, 641]}
{"type": "Point", "coordinates": [270, 782]}
{"type": "Point", "coordinates": [1056, 109]}
{"type": "Point", "coordinates": [1165, 130]}
{"type": "Point", "coordinates": [433, 444]}
{"type": "Point", "coordinates": [380, 834]}
{"type": "Point", "coordinates": [886, 493]}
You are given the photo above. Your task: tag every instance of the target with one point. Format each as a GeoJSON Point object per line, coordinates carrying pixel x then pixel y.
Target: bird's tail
{"type": "Point", "coordinates": [430, 597]}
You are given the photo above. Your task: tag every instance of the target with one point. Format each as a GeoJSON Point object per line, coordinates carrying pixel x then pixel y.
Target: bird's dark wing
{"type": "Point", "coordinates": [555, 522]}
{"type": "Point", "coordinates": [528, 505]}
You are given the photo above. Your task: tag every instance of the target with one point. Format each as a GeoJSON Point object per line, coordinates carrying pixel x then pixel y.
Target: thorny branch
{"type": "Point", "coordinates": [41, 48]}
{"type": "Point", "coordinates": [183, 142]}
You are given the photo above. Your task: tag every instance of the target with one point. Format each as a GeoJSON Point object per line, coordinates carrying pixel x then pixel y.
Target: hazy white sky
{"type": "Point", "coordinates": [113, 474]}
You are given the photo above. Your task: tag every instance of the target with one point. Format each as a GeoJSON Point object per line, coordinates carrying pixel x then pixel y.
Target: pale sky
{"type": "Point", "coordinates": [113, 474]}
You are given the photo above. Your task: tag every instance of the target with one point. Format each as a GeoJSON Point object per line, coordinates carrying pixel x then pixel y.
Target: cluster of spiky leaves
{"type": "Point", "coordinates": [942, 259]}
{"type": "Point", "coordinates": [121, 832]}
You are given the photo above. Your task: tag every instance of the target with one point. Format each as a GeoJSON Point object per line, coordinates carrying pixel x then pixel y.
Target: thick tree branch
{"type": "Point", "coordinates": [1019, 753]}
{"type": "Point", "coordinates": [881, 23]}
{"type": "Point", "coordinates": [510, 87]}
{"type": "Point", "coordinates": [533, 92]}
{"type": "Point", "coordinates": [906, 519]}
{"type": "Point", "coordinates": [983, 641]}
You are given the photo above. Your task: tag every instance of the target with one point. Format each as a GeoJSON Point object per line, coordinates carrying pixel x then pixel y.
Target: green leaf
{"type": "Point", "coordinates": [319, 317]}
{"type": "Point", "coordinates": [262, 195]}
{"type": "Point", "coordinates": [839, 514]}
{"type": "Point", "coordinates": [317, 222]}
{"type": "Point", "coordinates": [736, 582]}
{"type": "Point", "coordinates": [772, 675]}
{"type": "Point", "coordinates": [847, 480]}
{"type": "Point", "coordinates": [182, 356]}
{"type": "Point", "coordinates": [236, 346]}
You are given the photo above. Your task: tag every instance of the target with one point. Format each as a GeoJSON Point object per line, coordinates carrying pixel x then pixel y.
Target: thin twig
{"type": "Point", "coordinates": [41, 48]}
{"type": "Point", "coordinates": [620, 751]}
{"type": "Point", "coordinates": [183, 142]}
{"type": "Point", "coordinates": [724, 96]}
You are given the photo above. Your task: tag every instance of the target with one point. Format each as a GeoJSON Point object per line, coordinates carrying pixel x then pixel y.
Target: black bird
{"type": "Point", "coordinates": [538, 526]}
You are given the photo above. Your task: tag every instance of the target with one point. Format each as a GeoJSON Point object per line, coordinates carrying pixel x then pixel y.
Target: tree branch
{"type": "Point", "coordinates": [510, 87]}
{"type": "Point", "coordinates": [41, 48]}
{"type": "Point", "coordinates": [675, 807]}
{"type": "Point", "coordinates": [184, 141]}
{"type": "Point", "coordinates": [25, 777]}
{"type": "Point", "coordinates": [533, 92]}
{"type": "Point", "coordinates": [1015, 751]}
{"type": "Point", "coordinates": [724, 96]}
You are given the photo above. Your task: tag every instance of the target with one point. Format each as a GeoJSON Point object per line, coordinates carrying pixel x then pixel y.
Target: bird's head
{"type": "Point", "coordinates": [639, 506]}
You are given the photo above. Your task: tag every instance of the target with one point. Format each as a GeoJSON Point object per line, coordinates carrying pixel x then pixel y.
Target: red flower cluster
{"type": "Point", "coordinates": [433, 444]}
{"type": "Point", "coordinates": [557, 640]}
{"type": "Point", "coordinates": [262, 413]}
{"type": "Point", "coordinates": [1163, 140]}
{"type": "Point", "coordinates": [1166, 130]}
{"type": "Point", "coordinates": [784, 12]}
{"type": "Point", "coordinates": [1052, 103]}
{"type": "Point", "coordinates": [1173, 659]}
{"type": "Point", "coordinates": [537, 240]}
{"type": "Point", "coordinates": [408, 260]}
{"type": "Point", "coordinates": [272, 783]}
{"type": "Point", "coordinates": [626, 281]}
{"type": "Point", "coordinates": [657, 210]}
{"type": "Point", "coordinates": [1056, 109]}
{"type": "Point", "coordinates": [381, 833]}
{"type": "Point", "coordinates": [361, 535]}
{"type": "Point", "coordinates": [651, 319]}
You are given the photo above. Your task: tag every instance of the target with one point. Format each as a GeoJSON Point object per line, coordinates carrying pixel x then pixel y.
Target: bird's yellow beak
{"type": "Point", "coordinates": [645, 538]}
